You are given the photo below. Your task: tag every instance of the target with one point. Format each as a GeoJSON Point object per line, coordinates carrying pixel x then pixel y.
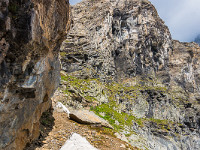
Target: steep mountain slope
{"type": "Point", "coordinates": [121, 62]}
{"type": "Point", "coordinates": [31, 32]}
{"type": "Point", "coordinates": [114, 35]}
{"type": "Point", "coordinates": [197, 39]}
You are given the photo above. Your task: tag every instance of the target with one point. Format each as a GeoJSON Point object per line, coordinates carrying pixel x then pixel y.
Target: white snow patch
{"type": "Point", "coordinates": [63, 108]}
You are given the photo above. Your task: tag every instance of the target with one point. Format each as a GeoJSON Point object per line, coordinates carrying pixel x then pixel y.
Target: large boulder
{"type": "Point", "coordinates": [31, 32]}
{"type": "Point", "coordinates": [88, 117]}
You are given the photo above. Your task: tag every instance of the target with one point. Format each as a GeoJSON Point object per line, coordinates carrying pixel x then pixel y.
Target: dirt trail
{"type": "Point", "coordinates": [56, 128]}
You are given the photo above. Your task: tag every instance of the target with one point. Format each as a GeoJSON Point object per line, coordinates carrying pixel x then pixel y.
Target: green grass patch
{"type": "Point", "coordinates": [111, 111]}
{"type": "Point", "coordinates": [124, 120]}
{"type": "Point", "coordinates": [81, 86]}
{"type": "Point", "coordinates": [63, 54]}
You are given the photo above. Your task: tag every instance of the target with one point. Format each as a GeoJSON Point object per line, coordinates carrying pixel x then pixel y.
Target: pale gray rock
{"type": "Point", "coordinates": [77, 142]}
{"type": "Point", "coordinates": [88, 117]}
{"type": "Point", "coordinates": [121, 137]}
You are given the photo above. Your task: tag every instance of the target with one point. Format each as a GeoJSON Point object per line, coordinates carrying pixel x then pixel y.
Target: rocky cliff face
{"type": "Point", "coordinates": [123, 39]}
{"type": "Point", "coordinates": [197, 39]}
{"type": "Point", "coordinates": [31, 32]}
{"type": "Point", "coordinates": [129, 70]}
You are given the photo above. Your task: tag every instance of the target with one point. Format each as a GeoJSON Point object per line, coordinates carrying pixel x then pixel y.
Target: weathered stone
{"type": "Point", "coordinates": [31, 32]}
{"type": "Point", "coordinates": [88, 117]}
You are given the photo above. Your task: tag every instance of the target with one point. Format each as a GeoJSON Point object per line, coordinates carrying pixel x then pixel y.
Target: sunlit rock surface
{"type": "Point", "coordinates": [88, 117]}
{"type": "Point", "coordinates": [31, 32]}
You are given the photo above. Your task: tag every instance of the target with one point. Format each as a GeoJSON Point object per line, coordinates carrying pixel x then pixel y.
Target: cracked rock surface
{"type": "Point", "coordinates": [31, 32]}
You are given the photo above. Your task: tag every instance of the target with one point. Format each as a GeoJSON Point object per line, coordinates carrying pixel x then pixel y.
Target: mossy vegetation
{"type": "Point", "coordinates": [79, 86]}
{"type": "Point", "coordinates": [123, 121]}
{"type": "Point", "coordinates": [82, 84]}
{"type": "Point", "coordinates": [62, 54]}
{"type": "Point", "coordinates": [66, 41]}
{"type": "Point", "coordinates": [119, 121]}
{"type": "Point", "coordinates": [140, 85]}
{"type": "Point", "coordinates": [111, 110]}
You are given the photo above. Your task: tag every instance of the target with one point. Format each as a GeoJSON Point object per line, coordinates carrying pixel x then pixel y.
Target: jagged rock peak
{"type": "Point", "coordinates": [127, 37]}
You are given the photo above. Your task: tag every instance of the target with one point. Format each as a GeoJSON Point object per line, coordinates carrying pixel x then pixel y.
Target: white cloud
{"type": "Point", "coordinates": [181, 16]}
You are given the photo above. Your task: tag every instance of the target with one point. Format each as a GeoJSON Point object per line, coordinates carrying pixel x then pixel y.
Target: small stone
{"type": "Point", "coordinates": [122, 146]}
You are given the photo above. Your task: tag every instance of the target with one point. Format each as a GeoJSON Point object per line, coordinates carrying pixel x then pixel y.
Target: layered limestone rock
{"type": "Point", "coordinates": [130, 71]}
{"type": "Point", "coordinates": [117, 39]}
{"type": "Point", "coordinates": [31, 32]}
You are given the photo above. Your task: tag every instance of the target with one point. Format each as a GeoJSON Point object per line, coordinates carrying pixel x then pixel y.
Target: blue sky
{"type": "Point", "coordinates": [181, 16]}
{"type": "Point", "coordinates": [72, 2]}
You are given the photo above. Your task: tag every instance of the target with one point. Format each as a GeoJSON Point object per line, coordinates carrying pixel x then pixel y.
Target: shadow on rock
{"type": "Point", "coordinates": [46, 126]}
